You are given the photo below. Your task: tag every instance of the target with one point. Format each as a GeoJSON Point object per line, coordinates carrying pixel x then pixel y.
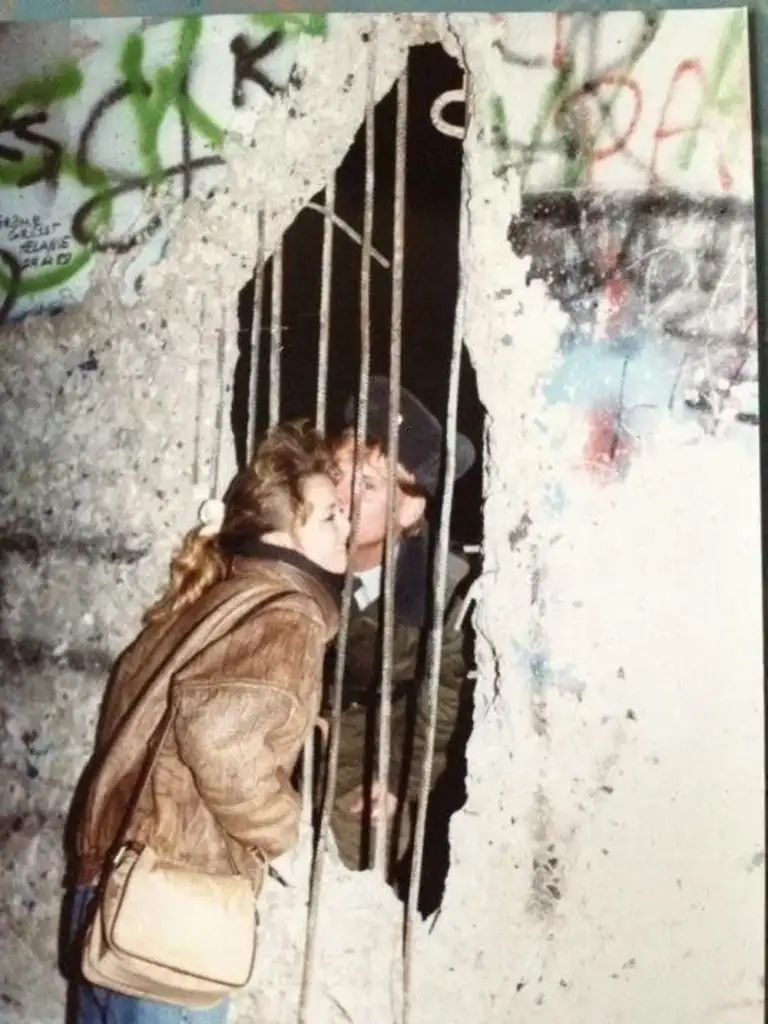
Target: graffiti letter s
{"type": "Point", "coordinates": [46, 169]}
{"type": "Point", "coordinates": [36, 95]}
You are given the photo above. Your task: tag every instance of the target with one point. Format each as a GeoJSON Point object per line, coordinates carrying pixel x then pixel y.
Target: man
{"type": "Point", "coordinates": [359, 801]}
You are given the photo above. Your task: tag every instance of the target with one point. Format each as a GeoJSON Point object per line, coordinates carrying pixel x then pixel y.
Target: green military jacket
{"type": "Point", "coordinates": [358, 754]}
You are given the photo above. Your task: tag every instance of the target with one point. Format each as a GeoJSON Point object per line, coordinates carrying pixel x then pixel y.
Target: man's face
{"type": "Point", "coordinates": [371, 487]}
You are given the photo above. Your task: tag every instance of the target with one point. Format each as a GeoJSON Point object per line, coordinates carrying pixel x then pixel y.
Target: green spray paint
{"type": "Point", "coordinates": [499, 129]}
{"type": "Point", "coordinates": [52, 277]}
{"type": "Point", "coordinates": [713, 99]}
{"type": "Point", "coordinates": [41, 93]}
{"type": "Point", "coordinates": [292, 24]}
{"type": "Point", "coordinates": [561, 86]}
{"type": "Point", "coordinates": [151, 101]}
{"type": "Point", "coordinates": [565, 84]}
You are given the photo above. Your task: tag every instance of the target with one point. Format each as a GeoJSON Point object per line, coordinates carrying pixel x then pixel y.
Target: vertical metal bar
{"type": "Point", "coordinates": [325, 306]}
{"type": "Point", "coordinates": [365, 306]}
{"type": "Point", "coordinates": [390, 556]}
{"type": "Point", "coordinates": [436, 629]}
{"type": "Point", "coordinates": [324, 336]}
{"type": "Point", "coordinates": [310, 950]}
{"type": "Point", "coordinates": [253, 377]}
{"type": "Point", "coordinates": [214, 488]}
{"type": "Point", "coordinates": [276, 335]}
{"type": "Point", "coordinates": [199, 396]}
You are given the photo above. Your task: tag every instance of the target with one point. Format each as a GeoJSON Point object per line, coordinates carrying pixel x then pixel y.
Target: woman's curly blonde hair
{"type": "Point", "coordinates": [267, 495]}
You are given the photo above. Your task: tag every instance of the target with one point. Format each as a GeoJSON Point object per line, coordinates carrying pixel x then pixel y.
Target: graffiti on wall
{"type": "Point", "coordinates": [138, 107]}
{"type": "Point", "coordinates": [637, 211]}
{"type": "Point", "coordinates": [605, 114]}
{"type": "Point", "coordinates": [635, 158]}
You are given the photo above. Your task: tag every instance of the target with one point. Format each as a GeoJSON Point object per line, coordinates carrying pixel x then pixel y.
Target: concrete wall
{"type": "Point", "coordinates": [84, 138]}
{"type": "Point", "coordinates": [616, 798]}
{"type": "Point", "coordinates": [607, 864]}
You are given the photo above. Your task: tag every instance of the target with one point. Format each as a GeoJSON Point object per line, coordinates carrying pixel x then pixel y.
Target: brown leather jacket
{"type": "Point", "coordinates": [241, 671]}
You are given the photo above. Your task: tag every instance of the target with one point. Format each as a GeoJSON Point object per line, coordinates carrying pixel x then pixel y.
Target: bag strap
{"type": "Point", "coordinates": [157, 741]}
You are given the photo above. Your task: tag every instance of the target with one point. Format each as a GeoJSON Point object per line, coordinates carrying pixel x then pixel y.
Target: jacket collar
{"type": "Point", "coordinates": [295, 565]}
{"type": "Point", "coordinates": [411, 573]}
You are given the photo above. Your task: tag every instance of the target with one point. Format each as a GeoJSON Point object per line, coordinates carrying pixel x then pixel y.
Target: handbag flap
{"type": "Point", "coordinates": [200, 924]}
{"type": "Point", "coordinates": [103, 967]}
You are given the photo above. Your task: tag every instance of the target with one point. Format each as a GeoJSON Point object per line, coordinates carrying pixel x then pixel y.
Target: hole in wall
{"type": "Point", "coordinates": [431, 259]}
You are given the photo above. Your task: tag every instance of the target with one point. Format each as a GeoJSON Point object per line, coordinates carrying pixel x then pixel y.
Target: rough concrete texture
{"type": "Point", "coordinates": [607, 864]}
{"type": "Point", "coordinates": [103, 422]}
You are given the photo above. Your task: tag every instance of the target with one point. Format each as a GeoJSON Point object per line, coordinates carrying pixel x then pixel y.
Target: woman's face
{"type": "Point", "coordinates": [322, 537]}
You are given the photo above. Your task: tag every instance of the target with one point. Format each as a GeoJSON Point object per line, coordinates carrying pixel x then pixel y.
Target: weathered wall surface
{"type": "Point", "coordinates": [94, 112]}
{"type": "Point", "coordinates": [112, 434]}
{"type": "Point", "coordinates": [607, 864]}
{"type": "Point", "coordinates": [616, 801]}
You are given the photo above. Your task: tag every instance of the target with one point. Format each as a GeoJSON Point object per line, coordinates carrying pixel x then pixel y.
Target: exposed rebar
{"type": "Point", "coordinates": [324, 337]}
{"type": "Point", "coordinates": [276, 336]}
{"type": "Point", "coordinates": [390, 556]}
{"type": "Point", "coordinates": [310, 950]}
{"type": "Point", "coordinates": [437, 625]}
{"type": "Point", "coordinates": [255, 353]}
{"type": "Point", "coordinates": [215, 484]}
{"type": "Point", "coordinates": [321, 396]}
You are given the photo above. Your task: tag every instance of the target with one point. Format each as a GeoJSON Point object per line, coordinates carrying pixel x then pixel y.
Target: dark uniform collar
{"type": "Point", "coordinates": [411, 583]}
{"type": "Point", "coordinates": [412, 580]}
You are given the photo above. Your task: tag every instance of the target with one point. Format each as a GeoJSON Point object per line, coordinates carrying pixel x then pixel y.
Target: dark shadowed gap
{"type": "Point", "coordinates": [429, 301]}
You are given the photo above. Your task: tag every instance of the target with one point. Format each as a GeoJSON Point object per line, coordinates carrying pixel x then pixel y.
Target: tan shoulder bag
{"type": "Point", "coordinates": [165, 932]}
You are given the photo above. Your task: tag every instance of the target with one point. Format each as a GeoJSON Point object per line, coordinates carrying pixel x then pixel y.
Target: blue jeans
{"type": "Point", "coordinates": [90, 1004]}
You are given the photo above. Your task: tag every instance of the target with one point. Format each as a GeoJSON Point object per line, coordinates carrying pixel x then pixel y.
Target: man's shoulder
{"type": "Point", "coordinates": [463, 560]}
{"type": "Point", "coordinates": [462, 570]}
{"type": "Point", "coordinates": [415, 578]}
{"type": "Point", "coordinates": [458, 567]}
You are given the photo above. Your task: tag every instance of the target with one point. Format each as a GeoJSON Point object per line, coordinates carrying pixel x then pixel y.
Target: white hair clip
{"type": "Point", "coordinates": [211, 517]}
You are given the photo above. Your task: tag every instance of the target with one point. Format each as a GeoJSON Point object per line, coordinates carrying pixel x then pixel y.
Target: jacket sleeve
{"type": "Point", "coordinates": [452, 678]}
{"type": "Point", "coordinates": [243, 712]}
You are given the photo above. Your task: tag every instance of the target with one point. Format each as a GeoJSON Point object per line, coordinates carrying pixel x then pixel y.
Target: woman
{"type": "Point", "coordinates": [259, 599]}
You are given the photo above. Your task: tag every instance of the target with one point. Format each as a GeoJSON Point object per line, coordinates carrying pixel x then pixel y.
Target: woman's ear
{"type": "Point", "coordinates": [410, 510]}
